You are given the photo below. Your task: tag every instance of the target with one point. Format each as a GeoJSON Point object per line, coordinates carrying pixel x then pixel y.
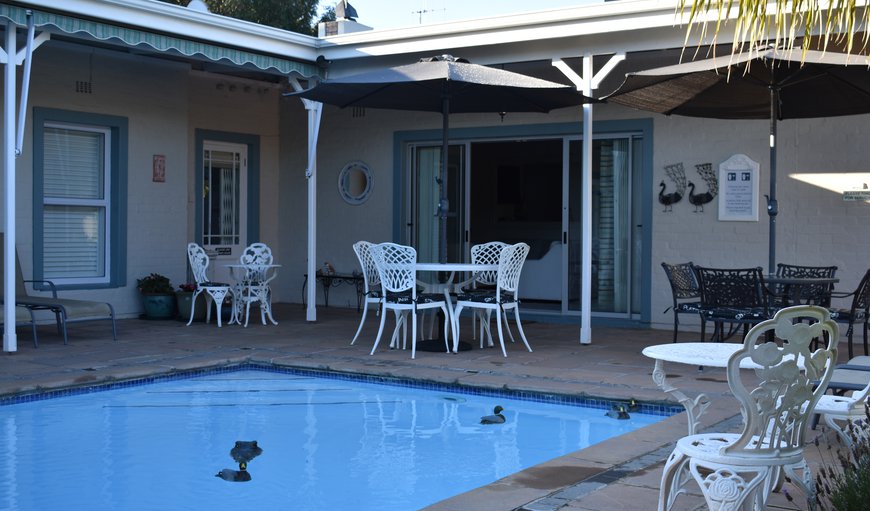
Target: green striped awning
{"type": "Point", "coordinates": [159, 42]}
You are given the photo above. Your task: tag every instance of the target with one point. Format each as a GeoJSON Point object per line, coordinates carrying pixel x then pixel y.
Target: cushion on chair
{"type": "Point", "coordinates": [845, 315]}
{"type": "Point", "coordinates": [405, 298]}
{"type": "Point", "coordinates": [689, 307]}
{"type": "Point", "coordinates": [736, 313]}
{"type": "Point", "coordinates": [213, 284]}
{"type": "Point", "coordinates": [485, 297]}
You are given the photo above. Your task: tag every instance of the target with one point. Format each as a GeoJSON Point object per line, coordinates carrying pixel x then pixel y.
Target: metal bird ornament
{"type": "Point", "coordinates": [677, 175]}
{"type": "Point", "coordinates": [709, 176]}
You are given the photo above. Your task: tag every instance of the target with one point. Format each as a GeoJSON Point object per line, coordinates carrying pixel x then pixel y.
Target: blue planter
{"type": "Point", "coordinates": [159, 306]}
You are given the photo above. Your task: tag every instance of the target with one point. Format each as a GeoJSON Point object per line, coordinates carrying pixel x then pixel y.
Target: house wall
{"type": "Point", "coordinates": [814, 227]}
{"type": "Point", "coordinates": [142, 91]}
{"type": "Point", "coordinates": [164, 103]}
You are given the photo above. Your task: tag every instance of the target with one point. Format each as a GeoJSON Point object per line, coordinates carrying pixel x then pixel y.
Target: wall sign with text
{"type": "Point", "coordinates": [738, 189]}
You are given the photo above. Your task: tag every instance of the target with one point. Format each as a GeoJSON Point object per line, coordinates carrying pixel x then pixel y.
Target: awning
{"type": "Point", "coordinates": [162, 43]}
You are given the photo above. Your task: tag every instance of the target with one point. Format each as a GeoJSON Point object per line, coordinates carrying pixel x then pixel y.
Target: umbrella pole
{"type": "Point", "coordinates": [443, 204]}
{"type": "Point", "coordinates": [772, 208]}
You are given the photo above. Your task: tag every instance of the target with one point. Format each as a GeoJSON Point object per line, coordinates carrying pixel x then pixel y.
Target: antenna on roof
{"type": "Point", "coordinates": [421, 12]}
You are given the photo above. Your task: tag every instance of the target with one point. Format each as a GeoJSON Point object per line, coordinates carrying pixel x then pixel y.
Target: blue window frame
{"type": "Point", "coordinates": [79, 198]}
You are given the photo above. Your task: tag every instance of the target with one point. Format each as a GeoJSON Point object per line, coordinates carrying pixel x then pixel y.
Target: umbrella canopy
{"type": "Point", "coordinates": [448, 85]}
{"type": "Point", "coordinates": [770, 84]}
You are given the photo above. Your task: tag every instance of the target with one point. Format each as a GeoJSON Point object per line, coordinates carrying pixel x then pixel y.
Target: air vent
{"type": "Point", "coordinates": [84, 87]}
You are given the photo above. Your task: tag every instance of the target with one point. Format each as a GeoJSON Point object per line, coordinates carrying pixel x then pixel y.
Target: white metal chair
{"type": "Point", "coordinates": [214, 291]}
{"type": "Point", "coordinates": [486, 253]}
{"type": "Point", "coordinates": [253, 286]}
{"type": "Point", "coordinates": [502, 298]}
{"type": "Point", "coordinates": [835, 408]}
{"type": "Point", "coordinates": [396, 266]}
{"type": "Point", "coordinates": [371, 281]}
{"type": "Point", "coordinates": [739, 470]}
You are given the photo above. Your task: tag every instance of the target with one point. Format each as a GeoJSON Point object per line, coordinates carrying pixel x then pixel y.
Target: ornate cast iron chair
{"type": "Point", "coordinates": [857, 312]}
{"type": "Point", "coordinates": [733, 296]}
{"type": "Point", "coordinates": [214, 291]}
{"type": "Point", "coordinates": [502, 298]}
{"type": "Point", "coordinates": [396, 266]}
{"type": "Point", "coordinates": [684, 286]}
{"type": "Point", "coordinates": [739, 470]}
{"type": "Point", "coordinates": [812, 294]}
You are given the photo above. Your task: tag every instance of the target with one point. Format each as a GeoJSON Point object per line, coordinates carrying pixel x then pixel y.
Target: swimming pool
{"type": "Point", "coordinates": [326, 444]}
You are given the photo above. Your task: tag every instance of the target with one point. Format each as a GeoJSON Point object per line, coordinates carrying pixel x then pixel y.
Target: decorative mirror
{"type": "Point", "coordinates": [355, 182]}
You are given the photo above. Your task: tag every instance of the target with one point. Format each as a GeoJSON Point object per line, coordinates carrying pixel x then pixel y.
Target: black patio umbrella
{"type": "Point", "coordinates": [770, 84]}
{"type": "Point", "coordinates": [448, 85]}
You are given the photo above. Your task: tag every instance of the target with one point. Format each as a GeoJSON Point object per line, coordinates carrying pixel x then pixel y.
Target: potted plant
{"type": "Point", "coordinates": [184, 299]}
{"type": "Point", "coordinates": [158, 296]}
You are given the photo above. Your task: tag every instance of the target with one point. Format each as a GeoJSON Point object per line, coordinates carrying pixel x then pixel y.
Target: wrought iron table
{"type": "Point", "coordinates": [330, 280]}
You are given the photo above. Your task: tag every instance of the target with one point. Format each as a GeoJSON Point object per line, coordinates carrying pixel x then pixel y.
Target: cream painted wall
{"type": "Point", "coordinates": [151, 95]}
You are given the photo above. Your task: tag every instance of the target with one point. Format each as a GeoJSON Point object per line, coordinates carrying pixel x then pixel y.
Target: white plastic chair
{"type": "Point", "coordinates": [214, 291]}
{"type": "Point", "coordinates": [502, 298]}
{"type": "Point", "coordinates": [739, 470]}
{"type": "Point", "coordinates": [253, 287]}
{"type": "Point", "coordinates": [396, 266]}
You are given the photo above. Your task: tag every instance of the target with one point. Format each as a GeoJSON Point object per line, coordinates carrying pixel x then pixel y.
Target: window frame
{"type": "Point", "coordinates": [115, 193]}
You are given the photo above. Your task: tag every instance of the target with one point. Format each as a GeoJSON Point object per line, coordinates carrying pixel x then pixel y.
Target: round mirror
{"type": "Point", "coordinates": [355, 182]}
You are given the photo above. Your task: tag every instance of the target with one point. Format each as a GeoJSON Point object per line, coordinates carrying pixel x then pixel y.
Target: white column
{"type": "Point", "coordinates": [586, 84]}
{"type": "Point", "coordinates": [10, 340]}
{"type": "Point", "coordinates": [314, 113]}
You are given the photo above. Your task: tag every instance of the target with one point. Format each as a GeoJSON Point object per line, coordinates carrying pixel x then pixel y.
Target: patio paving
{"type": "Point", "coordinates": [619, 474]}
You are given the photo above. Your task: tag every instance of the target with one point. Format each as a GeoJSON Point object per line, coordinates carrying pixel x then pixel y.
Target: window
{"type": "Point", "coordinates": [78, 176]}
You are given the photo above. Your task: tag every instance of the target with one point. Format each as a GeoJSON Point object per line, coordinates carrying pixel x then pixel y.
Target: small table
{"type": "Point", "coordinates": [709, 354]}
{"type": "Point", "coordinates": [454, 267]}
{"type": "Point", "coordinates": [245, 271]}
{"type": "Point", "coordinates": [330, 280]}
{"type": "Point", "coordinates": [793, 286]}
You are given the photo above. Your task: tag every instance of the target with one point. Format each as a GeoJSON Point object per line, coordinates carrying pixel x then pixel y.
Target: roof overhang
{"type": "Point", "coordinates": [182, 33]}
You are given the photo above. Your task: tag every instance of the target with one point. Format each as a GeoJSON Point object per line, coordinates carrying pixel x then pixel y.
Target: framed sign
{"type": "Point", "coordinates": [738, 189]}
{"type": "Point", "coordinates": [158, 168]}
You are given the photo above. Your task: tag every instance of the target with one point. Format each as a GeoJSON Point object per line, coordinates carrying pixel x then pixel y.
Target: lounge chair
{"type": "Point", "coordinates": [65, 310]}
{"type": "Point", "coordinates": [23, 317]}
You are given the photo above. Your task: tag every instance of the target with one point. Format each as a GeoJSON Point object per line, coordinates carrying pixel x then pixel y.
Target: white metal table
{"type": "Point", "coordinates": [454, 267]}
{"type": "Point", "coordinates": [245, 271]}
{"type": "Point", "coordinates": [703, 354]}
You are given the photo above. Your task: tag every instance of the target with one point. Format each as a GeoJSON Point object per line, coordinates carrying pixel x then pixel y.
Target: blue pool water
{"type": "Point", "coordinates": [327, 444]}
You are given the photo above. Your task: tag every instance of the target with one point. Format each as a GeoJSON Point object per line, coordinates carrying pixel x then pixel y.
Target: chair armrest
{"type": "Point", "coordinates": [839, 294]}
{"type": "Point", "coordinates": [50, 285]}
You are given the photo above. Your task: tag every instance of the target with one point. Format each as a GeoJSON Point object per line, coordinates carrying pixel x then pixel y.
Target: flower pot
{"type": "Point", "coordinates": [184, 300]}
{"type": "Point", "coordinates": [159, 306]}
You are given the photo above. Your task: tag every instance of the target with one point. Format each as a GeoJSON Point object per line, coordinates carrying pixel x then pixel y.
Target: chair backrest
{"type": "Point", "coordinates": [371, 279]}
{"type": "Point", "coordinates": [198, 262]}
{"type": "Point", "coordinates": [487, 253]}
{"type": "Point", "coordinates": [815, 294]}
{"type": "Point", "coordinates": [256, 253]}
{"type": "Point", "coordinates": [684, 282]}
{"type": "Point", "coordinates": [789, 380]}
{"type": "Point", "coordinates": [396, 267]}
{"type": "Point", "coordinates": [20, 289]}
{"type": "Point", "coordinates": [253, 258]}
{"type": "Point", "coordinates": [510, 264]}
{"type": "Point", "coordinates": [738, 287]}
{"type": "Point", "coordinates": [861, 297]}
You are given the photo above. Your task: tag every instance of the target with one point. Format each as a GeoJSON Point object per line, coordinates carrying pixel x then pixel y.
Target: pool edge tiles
{"type": "Point", "coordinates": [651, 408]}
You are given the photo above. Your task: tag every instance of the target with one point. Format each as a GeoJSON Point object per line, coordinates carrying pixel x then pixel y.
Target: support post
{"type": "Point", "coordinates": [585, 84]}
{"type": "Point", "coordinates": [10, 339]}
{"type": "Point", "coordinates": [315, 109]}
